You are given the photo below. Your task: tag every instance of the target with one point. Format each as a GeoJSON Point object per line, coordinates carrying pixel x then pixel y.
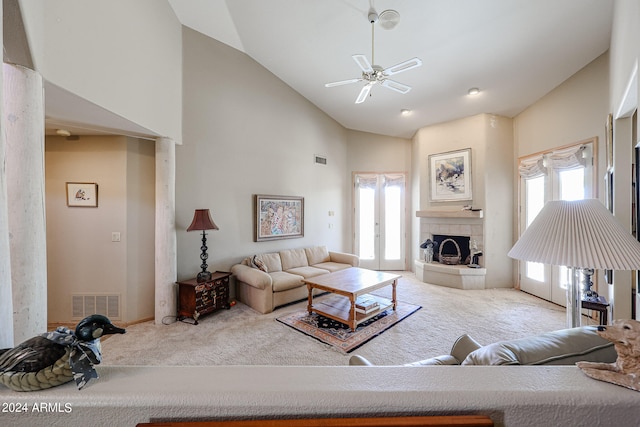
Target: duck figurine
{"type": "Point", "coordinates": [56, 357]}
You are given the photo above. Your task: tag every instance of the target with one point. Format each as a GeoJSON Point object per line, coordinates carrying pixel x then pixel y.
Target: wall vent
{"type": "Point", "coordinates": [86, 305]}
{"type": "Point", "coordinates": [320, 160]}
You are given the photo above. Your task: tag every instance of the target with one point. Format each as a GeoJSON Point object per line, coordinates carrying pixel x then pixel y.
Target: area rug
{"type": "Point", "coordinates": [339, 335]}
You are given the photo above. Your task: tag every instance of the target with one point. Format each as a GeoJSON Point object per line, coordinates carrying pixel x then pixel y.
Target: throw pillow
{"type": "Point", "coordinates": [257, 263]}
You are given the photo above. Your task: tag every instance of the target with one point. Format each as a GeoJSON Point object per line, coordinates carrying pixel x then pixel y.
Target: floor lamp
{"type": "Point", "coordinates": [577, 234]}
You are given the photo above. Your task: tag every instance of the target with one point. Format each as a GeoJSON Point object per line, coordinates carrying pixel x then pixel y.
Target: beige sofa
{"type": "Point", "coordinates": [562, 347]}
{"type": "Point", "coordinates": [267, 281]}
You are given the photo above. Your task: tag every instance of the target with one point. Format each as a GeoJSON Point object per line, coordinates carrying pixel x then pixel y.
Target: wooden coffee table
{"type": "Point", "coordinates": [351, 283]}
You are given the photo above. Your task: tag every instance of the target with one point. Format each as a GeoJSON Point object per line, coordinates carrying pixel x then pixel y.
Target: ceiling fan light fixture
{"type": "Point", "coordinates": [473, 91]}
{"type": "Point", "coordinates": [374, 74]}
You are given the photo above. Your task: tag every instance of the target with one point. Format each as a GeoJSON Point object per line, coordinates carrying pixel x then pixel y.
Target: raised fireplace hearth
{"type": "Point", "coordinates": [462, 226]}
{"type": "Point", "coordinates": [452, 276]}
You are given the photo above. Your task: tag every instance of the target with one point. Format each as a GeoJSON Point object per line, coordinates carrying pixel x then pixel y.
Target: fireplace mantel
{"type": "Point", "coordinates": [441, 213]}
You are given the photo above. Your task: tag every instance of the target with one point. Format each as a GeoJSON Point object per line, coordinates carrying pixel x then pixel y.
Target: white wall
{"type": "Point", "coordinates": [247, 133]}
{"type": "Point", "coordinates": [574, 111]}
{"type": "Point", "coordinates": [368, 152]}
{"type": "Point", "coordinates": [124, 56]}
{"type": "Point", "coordinates": [624, 53]}
{"type": "Point", "coordinates": [140, 229]}
{"type": "Point", "coordinates": [490, 140]}
{"type": "Point", "coordinates": [623, 101]}
{"type": "Point", "coordinates": [81, 257]}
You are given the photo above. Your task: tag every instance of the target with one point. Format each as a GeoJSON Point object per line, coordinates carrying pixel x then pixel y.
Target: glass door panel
{"type": "Point", "coordinates": [571, 186]}
{"type": "Point", "coordinates": [535, 279]}
{"type": "Point", "coordinates": [563, 177]}
{"type": "Point", "coordinates": [380, 221]}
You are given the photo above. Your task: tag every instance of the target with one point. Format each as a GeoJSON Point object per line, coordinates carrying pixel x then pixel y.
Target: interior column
{"type": "Point", "coordinates": [166, 245]}
{"type": "Point", "coordinates": [23, 124]}
{"type": "Point", "coordinates": [6, 308]}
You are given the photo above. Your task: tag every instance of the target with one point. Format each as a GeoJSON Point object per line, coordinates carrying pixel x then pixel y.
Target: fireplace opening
{"type": "Point", "coordinates": [450, 249]}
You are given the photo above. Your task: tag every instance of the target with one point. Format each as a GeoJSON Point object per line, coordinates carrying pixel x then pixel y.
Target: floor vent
{"type": "Point", "coordinates": [86, 305]}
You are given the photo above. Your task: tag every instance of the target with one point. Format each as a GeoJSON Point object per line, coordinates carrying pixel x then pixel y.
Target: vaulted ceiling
{"type": "Point", "coordinates": [514, 51]}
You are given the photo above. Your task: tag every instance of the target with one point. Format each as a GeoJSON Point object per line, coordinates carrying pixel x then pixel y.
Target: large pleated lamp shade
{"type": "Point", "coordinates": [577, 234]}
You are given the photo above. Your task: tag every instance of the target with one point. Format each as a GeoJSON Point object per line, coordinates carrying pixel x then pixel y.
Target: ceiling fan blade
{"type": "Point", "coordinates": [363, 63]}
{"type": "Point", "coordinates": [398, 87]}
{"type": "Point", "coordinates": [343, 82]}
{"type": "Point", "coordinates": [403, 66]}
{"type": "Point", "coordinates": [363, 93]}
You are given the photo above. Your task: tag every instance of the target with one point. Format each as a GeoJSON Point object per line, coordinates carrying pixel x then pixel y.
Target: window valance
{"type": "Point", "coordinates": [561, 159]}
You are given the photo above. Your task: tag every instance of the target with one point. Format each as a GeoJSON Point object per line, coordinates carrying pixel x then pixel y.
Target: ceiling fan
{"type": "Point", "coordinates": [375, 74]}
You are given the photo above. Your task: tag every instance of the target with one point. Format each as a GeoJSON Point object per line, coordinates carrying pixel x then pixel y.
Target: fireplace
{"type": "Point", "coordinates": [461, 226]}
{"type": "Point", "coordinates": [449, 248]}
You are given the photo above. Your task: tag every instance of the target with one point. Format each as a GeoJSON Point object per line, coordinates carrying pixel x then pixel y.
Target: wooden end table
{"type": "Point", "coordinates": [198, 298]}
{"type": "Point", "coordinates": [351, 283]}
{"type": "Point", "coordinates": [601, 305]}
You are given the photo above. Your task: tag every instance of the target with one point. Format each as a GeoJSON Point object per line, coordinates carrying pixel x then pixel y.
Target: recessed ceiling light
{"type": "Point", "coordinates": [405, 112]}
{"type": "Point", "coordinates": [473, 91]}
{"type": "Point", "coordinates": [63, 132]}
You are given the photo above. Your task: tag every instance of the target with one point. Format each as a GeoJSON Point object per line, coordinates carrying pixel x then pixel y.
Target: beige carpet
{"type": "Point", "coordinates": [242, 336]}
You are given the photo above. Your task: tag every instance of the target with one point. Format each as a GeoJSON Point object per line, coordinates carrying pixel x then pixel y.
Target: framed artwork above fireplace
{"type": "Point", "coordinates": [450, 176]}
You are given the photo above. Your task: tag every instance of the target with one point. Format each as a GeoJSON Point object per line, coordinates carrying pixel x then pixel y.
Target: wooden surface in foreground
{"type": "Point", "coordinates": [440, 420]}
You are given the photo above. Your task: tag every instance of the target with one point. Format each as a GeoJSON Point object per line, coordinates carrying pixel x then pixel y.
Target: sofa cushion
{"type": "Point", "coordinates": [293, 258]}
{"type": "Point", "coordinates": [463, 346]}
{"type": "Point", "coordinates": [563, 347]}
{"type": "Point", "coordinates": [332, 266]}
{"type": "Point", "coordinates": [317, 254]}
{"type": "Point", "coordinates": [271, 261]}
{"type": "Point", "coordinates": [283, 281]}
{"type": "Point", "coordinates": [308, 271]}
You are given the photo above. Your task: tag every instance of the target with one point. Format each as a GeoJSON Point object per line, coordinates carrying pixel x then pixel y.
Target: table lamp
{"type": "Point", "coordinates": [202, 221]}
{"type": "Point", "coordinates": [577, 234]}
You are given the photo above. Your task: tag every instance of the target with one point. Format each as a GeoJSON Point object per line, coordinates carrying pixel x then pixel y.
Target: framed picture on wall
{"type": "Point", "coordinates": [82, 194]}
{"type": "Point", "coordinates": [278, 217]}
{"type": "Point", "coordinates": [450, 176]}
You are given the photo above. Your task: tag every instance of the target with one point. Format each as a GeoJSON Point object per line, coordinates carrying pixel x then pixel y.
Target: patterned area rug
{"type": "Point", "coordinates": [340, 335]}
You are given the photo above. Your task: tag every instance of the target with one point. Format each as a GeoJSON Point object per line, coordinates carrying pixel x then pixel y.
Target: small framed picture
{"type": "Point", "coordinates": [82, 194]}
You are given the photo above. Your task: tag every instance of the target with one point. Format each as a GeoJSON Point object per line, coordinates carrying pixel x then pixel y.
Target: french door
{"type": "Point", "coordinates": [379, 220]}
{"type": "Point", "coordinates": [563, 174]}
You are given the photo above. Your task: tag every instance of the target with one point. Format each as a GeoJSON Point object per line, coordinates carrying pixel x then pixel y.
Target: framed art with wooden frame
{"type": "Point", "coordinates": [82, 194]}
{"type": "Point", "coordinates": [450, 176]}
{"type": "Point", "coordinates": [278, 217]}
